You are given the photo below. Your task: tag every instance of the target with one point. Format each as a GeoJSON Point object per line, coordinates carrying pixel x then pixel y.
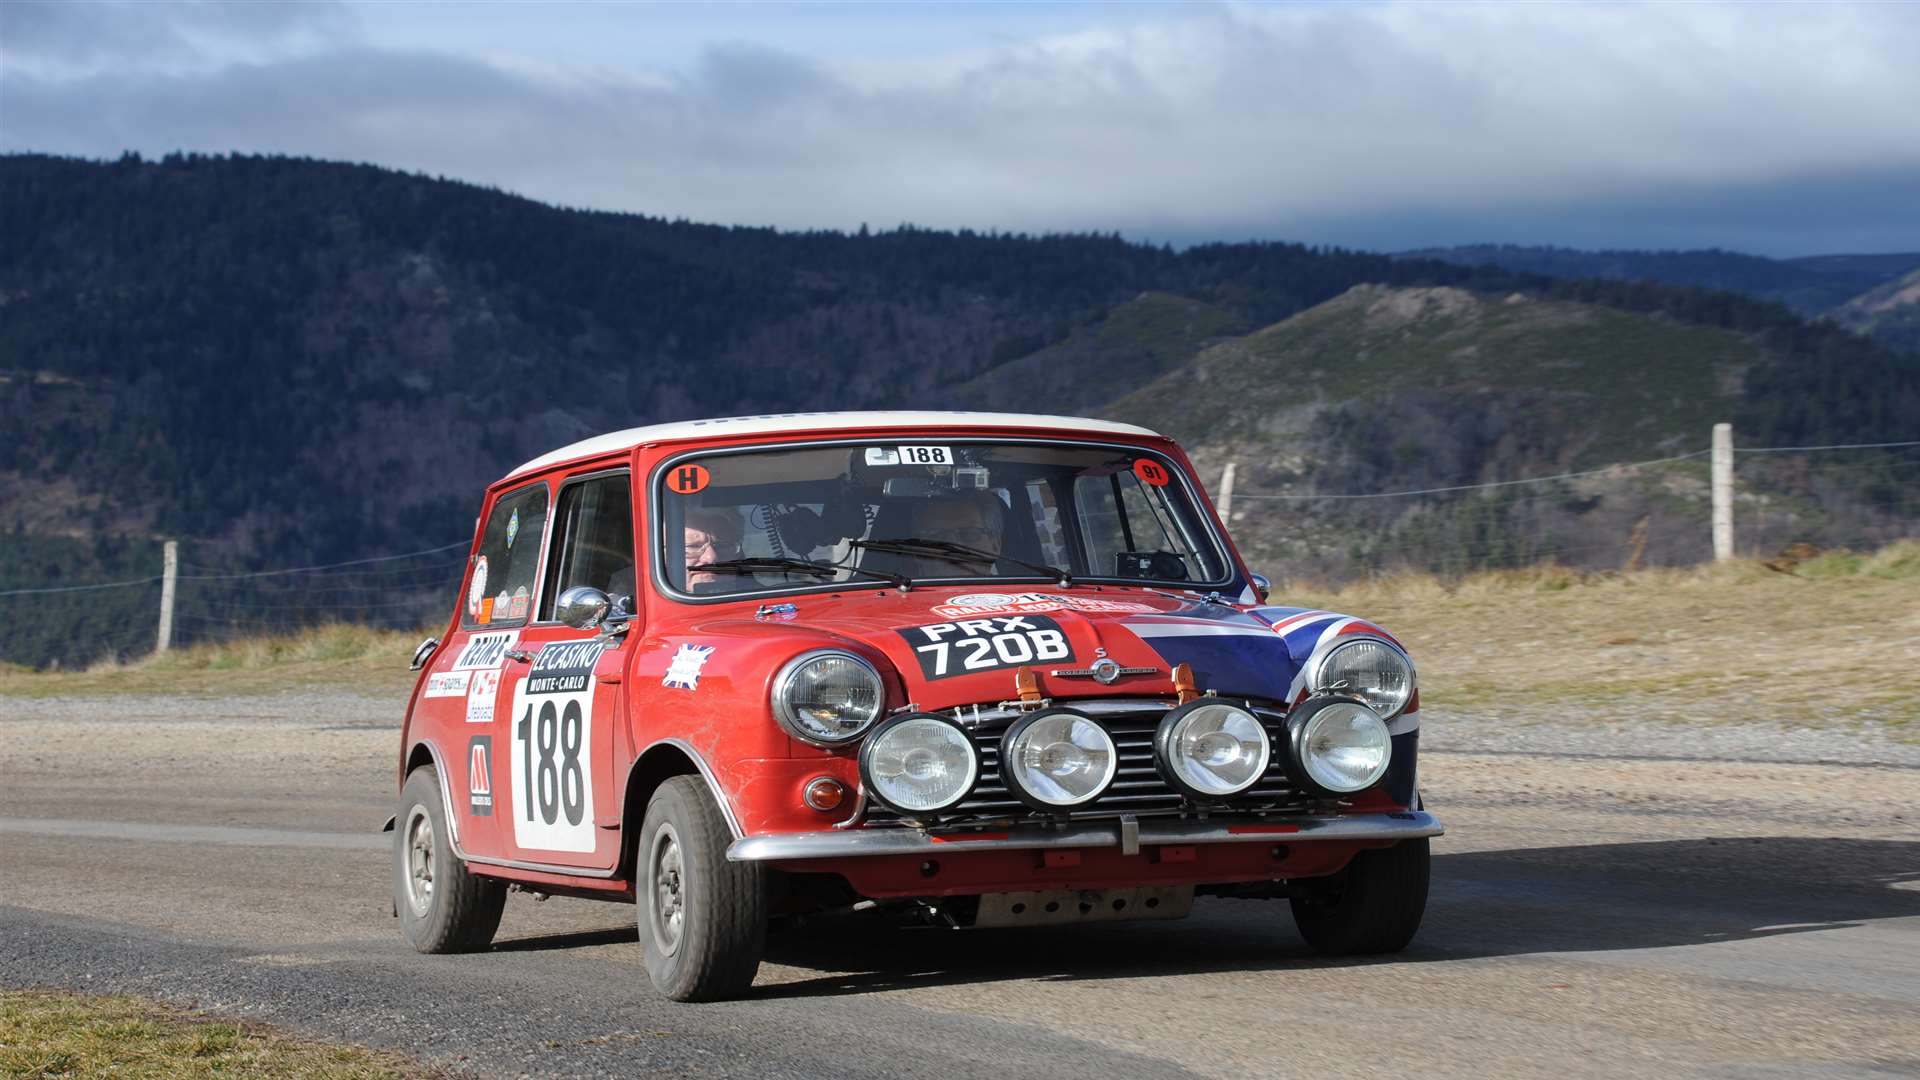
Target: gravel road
{"type": "Point", "coordinates": [1644, 900]}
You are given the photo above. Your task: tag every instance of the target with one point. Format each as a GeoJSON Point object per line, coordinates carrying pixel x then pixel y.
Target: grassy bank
{"type": "Point", "coordinates": [1832, 638]}
{"type": "Point", "coordinates": [46, 1033]}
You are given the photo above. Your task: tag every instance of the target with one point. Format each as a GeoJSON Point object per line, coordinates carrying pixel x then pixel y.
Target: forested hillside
{"type": "Point", "coordinates": [287, 361]}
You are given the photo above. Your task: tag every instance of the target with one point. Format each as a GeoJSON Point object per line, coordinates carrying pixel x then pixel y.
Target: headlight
{"type": "Point", "coordinates": [1373, 670]}
{"type": "Point", "coordinates": [1056, 759]}
{"type": "Point", "coordinates": [1210, 749]}
{"type": "Point", "coordinates": [919, 763]}
{"type": "Point", "coordinates": [827, 697]}
{"type": "Point", "coordinates": [1339, 746]}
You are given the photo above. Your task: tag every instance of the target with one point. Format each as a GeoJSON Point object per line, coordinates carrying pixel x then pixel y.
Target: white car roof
{"type": "Point", "coordinates": [821, 422]}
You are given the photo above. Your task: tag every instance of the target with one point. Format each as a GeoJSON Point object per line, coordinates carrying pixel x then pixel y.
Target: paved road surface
{"type": "Point", "coordinates": [1658, 916]}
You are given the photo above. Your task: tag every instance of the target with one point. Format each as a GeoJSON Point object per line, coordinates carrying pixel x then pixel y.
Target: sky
{"type": "Point", "coordinates": [1777, 129]}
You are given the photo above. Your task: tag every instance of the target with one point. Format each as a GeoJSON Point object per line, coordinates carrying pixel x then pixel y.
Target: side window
{"type": "Point", "coordinates": [1131, 531]}
{"type": "Point", "coordinates": [500, 581]}
{"type": "Point", "coordinates": [592, 540]}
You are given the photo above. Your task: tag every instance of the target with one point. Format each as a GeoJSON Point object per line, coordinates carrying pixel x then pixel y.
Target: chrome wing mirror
{"type": "Point", "coordinates": [1262, 586]}
{"type": "Point", "coordinates": [582, 607]}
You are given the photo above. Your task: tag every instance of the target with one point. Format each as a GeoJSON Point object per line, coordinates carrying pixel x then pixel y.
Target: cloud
{"type": "Point", "coordinates": [1659, 126]}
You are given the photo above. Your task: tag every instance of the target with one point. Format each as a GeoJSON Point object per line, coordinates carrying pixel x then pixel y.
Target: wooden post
{"type": "Point", "coordinates": [170, 569]}
{"type": "Point", "coordinates": [1722, 492]}
{"type": "Point", "coordinates": [1226, 495]}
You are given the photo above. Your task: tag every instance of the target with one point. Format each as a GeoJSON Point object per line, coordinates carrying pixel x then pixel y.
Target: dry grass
{"type": "Point", "coordinates": [324, 655]}
{"type": "Point", "coordinates": [1832, 639]}
{"type": "Point", "coordinates": [46, 1033]}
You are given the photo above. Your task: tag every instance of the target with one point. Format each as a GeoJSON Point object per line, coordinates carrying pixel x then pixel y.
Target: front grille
{"type": "Point", "coordinates": [1137, 788]}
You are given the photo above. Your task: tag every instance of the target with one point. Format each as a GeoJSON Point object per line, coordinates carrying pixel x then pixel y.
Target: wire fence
{"type": "Point", "coordinates": [1654, 512]}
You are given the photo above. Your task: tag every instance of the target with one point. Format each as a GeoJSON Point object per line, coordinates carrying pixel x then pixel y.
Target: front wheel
{"type": "Point", "coordinates": [443, 906]}
{"type": "Point", "coordinates": [1373, 906]}
{"type": "Point", "coordinates": [703, 920]}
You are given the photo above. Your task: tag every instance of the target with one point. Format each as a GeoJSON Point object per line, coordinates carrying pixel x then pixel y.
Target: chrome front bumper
{"type": "Point", "coordinates": [1129, 836]}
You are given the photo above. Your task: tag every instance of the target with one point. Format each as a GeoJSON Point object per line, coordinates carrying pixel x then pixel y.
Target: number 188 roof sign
{"type": "Point", "coordinates": [1006, 668]}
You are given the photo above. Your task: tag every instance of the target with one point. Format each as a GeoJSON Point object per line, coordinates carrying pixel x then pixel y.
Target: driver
{"type": "Point", "coordinates": [976, 519]}
{"type": "Point", "coordinates": [711, 535]}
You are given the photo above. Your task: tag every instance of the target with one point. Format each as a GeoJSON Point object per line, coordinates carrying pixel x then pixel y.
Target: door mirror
{"type": "Point", "coordinates": [424, 653]}
{"type": "Point", "coordinates": [582, 607]}
{"type": "Point", "coordinates": [1262, 586]}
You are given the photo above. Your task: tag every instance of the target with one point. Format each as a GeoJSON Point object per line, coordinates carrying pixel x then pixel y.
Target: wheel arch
{"type": "Point", "coordinates": [657, 764]}
{"type": "Point", "coordinates": [425, 752]}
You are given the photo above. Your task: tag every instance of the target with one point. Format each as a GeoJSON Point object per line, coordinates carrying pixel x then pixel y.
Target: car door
{"type": "Point", "coordinates": [557, 720]}
{"type": "Point", "coordinates": [457, 704]}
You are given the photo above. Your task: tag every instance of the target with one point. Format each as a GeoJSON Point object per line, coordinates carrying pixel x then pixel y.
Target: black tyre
{"type": "Point", "coordinates": [443, 906]}
{"type": "Point", "coordinates": [1373, 906]}
{"type": "Point", "coordinates": [703, 920]}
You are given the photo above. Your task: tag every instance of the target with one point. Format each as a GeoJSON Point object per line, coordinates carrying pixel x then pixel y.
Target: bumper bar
{"type": "Point", "coordinates": [857, 843]}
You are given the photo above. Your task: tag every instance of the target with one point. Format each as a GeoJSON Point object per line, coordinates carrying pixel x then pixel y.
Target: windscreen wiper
{"type": "Point", "coordinates": [959, 553]}
{"type": "Point", "coordinates": [794, 566]}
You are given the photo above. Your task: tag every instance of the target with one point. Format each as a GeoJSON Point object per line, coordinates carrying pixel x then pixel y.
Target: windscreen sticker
{"type": "Point", "coordinates": [969, 646]}
{"type": "Point", "coordinates": [518, 609]}
{"type": "Point", "coordinates": [688, 479]}
{"type": "Point", "coordinates": [447, 684]}
{"type": "Point", "coordinates": [485, 651]}
{"type": "Point", "coordinates": [480, 698]}
{"type": "Point", "coordinates": [909, 455]}
{"type": "Point", "coordinates": [486, 611]}
{"type": "Point", "coordinates": [973, 605]}
{"type": "Point", "coordinates": [684, 672]}
{"type": "Point", "coordinates": [480, 776]}
{"type": "Point", "coordinates": [477, 591]}
{"type": "Point", "coordinates": [1151, 472]}
{"type": "Point", "coordinates": [513, 527]}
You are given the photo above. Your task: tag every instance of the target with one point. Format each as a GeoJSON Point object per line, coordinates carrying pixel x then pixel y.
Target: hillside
{"type": "Point", "coordinates": [1386, 389]}
{"type": "Point", "coordinates": [1810, 286]}
{"type": "Point", "coordinates": [287, 362]}
{"type": "Point", "coordinates": [1889, 313]}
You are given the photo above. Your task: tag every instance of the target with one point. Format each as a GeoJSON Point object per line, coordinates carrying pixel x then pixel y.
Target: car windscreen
{"type": "Point", "coordinates": [796, 517]}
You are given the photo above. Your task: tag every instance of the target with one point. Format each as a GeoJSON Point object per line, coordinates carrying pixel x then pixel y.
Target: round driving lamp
{"type": "Point", "coordinates": [1211, 750]}
{"type": "Point", "coordinates": [919, 763]}
{"type": "Point", "coordinates": [827, 697]}
{"type": "Point", "coordinates": [1370, 670]}
{"type": "Point", "coordinates": [1057, 759]}
{"type": "Point", "coordinates": [1337, 745]}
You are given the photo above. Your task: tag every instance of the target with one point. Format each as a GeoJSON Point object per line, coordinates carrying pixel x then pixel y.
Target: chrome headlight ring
{"type": "Point", "coordinates": [1226, 759]}
{"type": "Point", "coordinates": [819, 721]}
{"type": "Point", "coordinates": [1317, 673]}
{"type": "Point", "coordinates": [1337, 745]}
{"type": "Point", "coordinates": [1057, 760]}
{"type": "Point", "coordinates": [919, 763]}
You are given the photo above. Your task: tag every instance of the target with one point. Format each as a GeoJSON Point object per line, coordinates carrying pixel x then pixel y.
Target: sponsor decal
{"type": "Point", "coordinates": [1151, 472]}
{"type": "Point", "coordinates": [477, 591]}
{"type": "Point", "coordinates": [513, 527]}
{"type": "Point", "coordinates": [552, 748]}
{"type": "Point", "coordinates": [481, 696]}
{"type": "Point", "coordinates": [518, 609]}
{"type": "Point", "coordinates": [974, 604]}
{"type": "Point", "coordinates": [485, 651]}
{"type": "Point", "coordinates": [486, 610]}
{"type": "Point", "coordinates": [968, 646]}
{"type": "Point", "coordinates": [480, 776]}
{"type": "Point", "coordinates": [688, 479]}
{"type": "Point", "coordinates": [446, 684]}
{"type": "Point", "coordinates": [684, 672]}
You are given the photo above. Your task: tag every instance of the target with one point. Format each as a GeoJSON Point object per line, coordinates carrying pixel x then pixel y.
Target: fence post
{"type": "Point", "coordinates": [1722, 492]}
{"type": "Point", "coordinates": [170, 569]}
{"type": "Point", "coordinates": [1226, 496]}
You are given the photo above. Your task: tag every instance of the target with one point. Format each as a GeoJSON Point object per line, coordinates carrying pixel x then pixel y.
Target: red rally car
{"type": "Point", "coordinates": [976, 669]}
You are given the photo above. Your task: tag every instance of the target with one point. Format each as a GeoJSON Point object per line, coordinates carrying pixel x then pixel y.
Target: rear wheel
{"type": "Point", "coordinates": [443, 906]}
{"type": "Point", "coordinates": [1373, 906]}
{"type": "Point", "coordinates": [703, 920]}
